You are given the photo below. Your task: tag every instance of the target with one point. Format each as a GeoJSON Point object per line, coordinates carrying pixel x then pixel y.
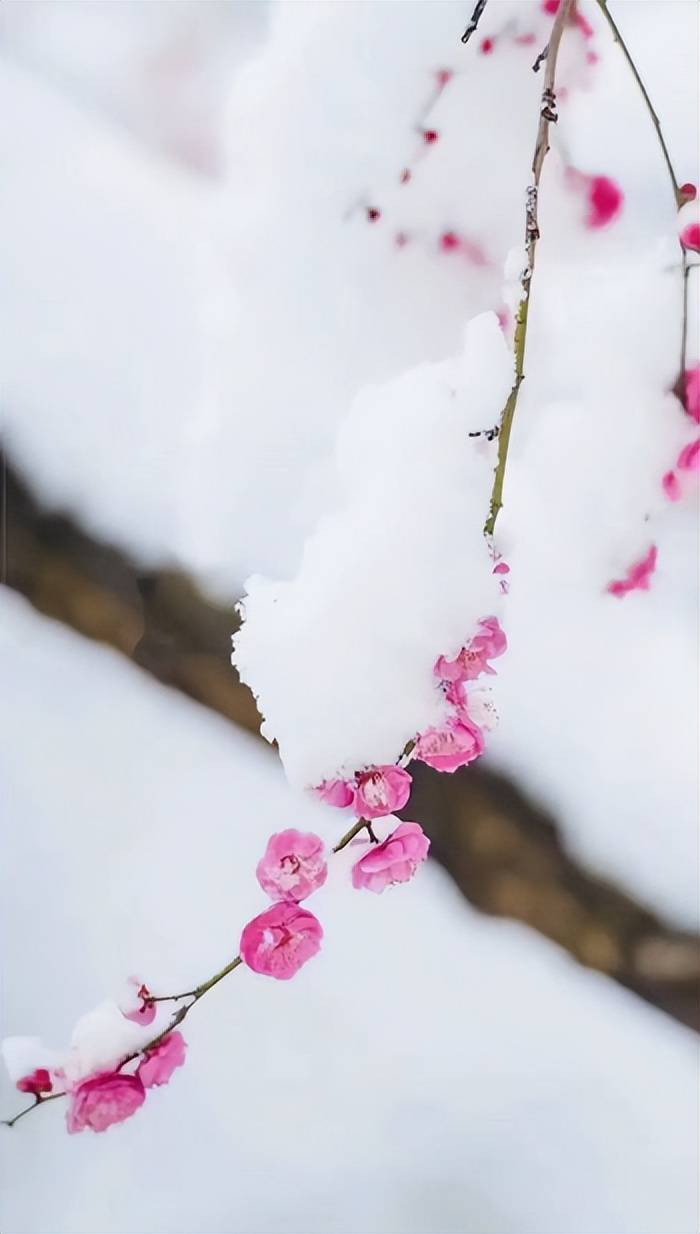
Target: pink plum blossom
{"type": "Point", "coordinates": [338, 793]}
{"type": "Point", "coordinates": [293, 866]}
{"type": "Point", "coordinates": [605, 201]}
{"type": "Point", "coordinates": [458, 743]}
{"type": "Point", "coordinates": [671, 486]}
{"type": "Point", "coordinates": [158, 1064]}
{"type": "Point", "coordinates": [394, 861]}
{"type": "Point", "coordinates": [692, 392]}
{"type": "Point", "coordinates": [281, 940]}
{"type": "Point", "coordinates": [689, 457]}
{"type": "Point", "coordinates": [688, 192]}
{"type": "Point", "coordinates": [38, 1082]}
{"type": "Point", "coordinates": [473, 660]}
{"type": "Point", "coordinates": [690, 237]}
{"type": "Point", "coordinates": [381, 790]}
{"type": "Point", "coordinates": [102, 1100]}
{"type": "Point", "coordinates": [143, 1012]}
{"type": "Point", "coordinates": [638, 577]}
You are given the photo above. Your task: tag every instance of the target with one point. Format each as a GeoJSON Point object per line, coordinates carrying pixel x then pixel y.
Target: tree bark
{"type": "Point", "coordinates": [503, 851]}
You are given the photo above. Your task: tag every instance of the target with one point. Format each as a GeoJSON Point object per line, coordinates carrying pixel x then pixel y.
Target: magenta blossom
{"type": "Point", "coordinates": [281, 940]}
{"type": "Point", "coordinates": [689, 457]}
{"type": "Point", "coordinates": [605, 201]}
{"type": "Point", "coordinates": [394, 861]}
{"type": "Point", "coordinates": [690, 237]}
{"type": "Point", "coordinates": [102, 1100]}
{"type": "Point", "coordinates": [638, 577]}
{"type": "Point", "coordinates": [293, 866]}
{"type": "Point", "coordinates": [458, 743]}
{"type": "Point", "coordinates": [158, 1064]}
{"type": "Point", "coordinates": [381, 791]}
{"type": "Point", "coordinates": [338, 793]}
{"type": "Point", "coordinates": [38, 1082]}
{"type": "Point", "coordinates": [473, 660]}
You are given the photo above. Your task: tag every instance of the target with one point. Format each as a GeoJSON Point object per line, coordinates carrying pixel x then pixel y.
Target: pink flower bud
{"type": "Point", "coordinates": [135, 1007]}
{"type": "Point", "coordinates": [443, 77]}
{"type": "Point", "coordinates": [102, 1100]}
{"type": "Point", "coordinates": [381, 790]}
{"type": "Point", "coordinates": [487, 46]}
{"type": "Point", "coordinates": [394, 861]}
{"type": "Point", "coordinates": [38, 1082]}
{"type": "Point", "coordinates": [294, 865]}
{"type": "Point", "coordinates": [373, 214]}
{"type": "Point", "coordinates": [157, 1065]}
{"type": "Point", "coordinates": [687, 192]}
{"type": "Point", "coordinates": [280, 941]}
{"type": "Point", "coordinates": [430, 136]}
{"type": "Point", "coordinates": [690, 237]}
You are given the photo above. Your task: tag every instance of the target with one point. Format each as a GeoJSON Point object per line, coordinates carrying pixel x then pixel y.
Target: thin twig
{"type": "Point", "coordinates": [677, 194]}
{"type": "Point", "coordinates": [195, 995]}
{"type": "Point", "coordinates": [475, 19]}
{"type": "Point", "coordinates": [548, 115]}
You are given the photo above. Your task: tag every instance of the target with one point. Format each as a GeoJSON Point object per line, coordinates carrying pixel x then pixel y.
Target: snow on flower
{"type": "Point", "coordinates": [279, 941]}
{"type": "Point", "coordinates": [103, 1100]}
{"type": "Point", "coordinates": [456, 744]}
{"type": "Point", "coordinates": [293, 866]}
{"type": "Point", "coordinates": [394, 861]}
{"type": "Point", "coordinates": [28, 1061]}
{"type": "Point", "coordinates": [134, 1006]}
{"type": "Point", "coordinates": [157, 1065]}
{"type": "Point", "coordinates": [380, 791]}
{"type": "Point", "coordinates": [638, 577]}
{"type": "Point", "coordinates": [340, 656]}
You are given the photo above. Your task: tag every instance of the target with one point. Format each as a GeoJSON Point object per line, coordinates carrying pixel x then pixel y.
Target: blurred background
{"type": "Point", "coordinates": [190, 297]}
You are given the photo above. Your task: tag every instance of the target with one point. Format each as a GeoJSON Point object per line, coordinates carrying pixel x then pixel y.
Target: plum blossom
{"type": "Point", "coordinates": [37, 1083]}
{"type": "Point", "coordinates": [459, 742]}
{"type": "Point", "coordinates": [157, 1065]}
{"type": "Point", "coordinates": [294, 865]}
{"type": "Point", "coordinates": [279, 941]}
{"type": "Point", "coordinates": [103, 1100]}
{"type": "Point", "coordinates": [394, 861]}
{"type": "Point", "coordinates": [473, 660]}
{"type": "Point", "coordinates": [381, 791]}
{"type": "Point", "coordinates": [638, 577]}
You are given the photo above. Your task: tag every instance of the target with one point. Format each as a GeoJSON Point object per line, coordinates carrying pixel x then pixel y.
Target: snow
{"type": "Point", "coordinates": [430, 1069]}
{"type": "Point", "coordinates": [180, 356]}
{"type": "Point", "coordinates": [341, 657]}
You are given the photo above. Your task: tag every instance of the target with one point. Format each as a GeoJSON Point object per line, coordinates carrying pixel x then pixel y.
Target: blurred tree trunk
{"type": "Point", "coordinates": [504, 853]}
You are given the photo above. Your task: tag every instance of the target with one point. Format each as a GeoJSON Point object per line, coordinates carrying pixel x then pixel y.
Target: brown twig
{"type": "Point", "coordinates": [548, 115]}
{"type": "Point", "coordinates": [677, 194]}
{"type": "Point", "coordinates": [474, 20]}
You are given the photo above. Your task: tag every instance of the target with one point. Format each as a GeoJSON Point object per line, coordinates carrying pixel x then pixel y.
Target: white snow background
{"type": "Point", "coordinates": [185, 327]}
